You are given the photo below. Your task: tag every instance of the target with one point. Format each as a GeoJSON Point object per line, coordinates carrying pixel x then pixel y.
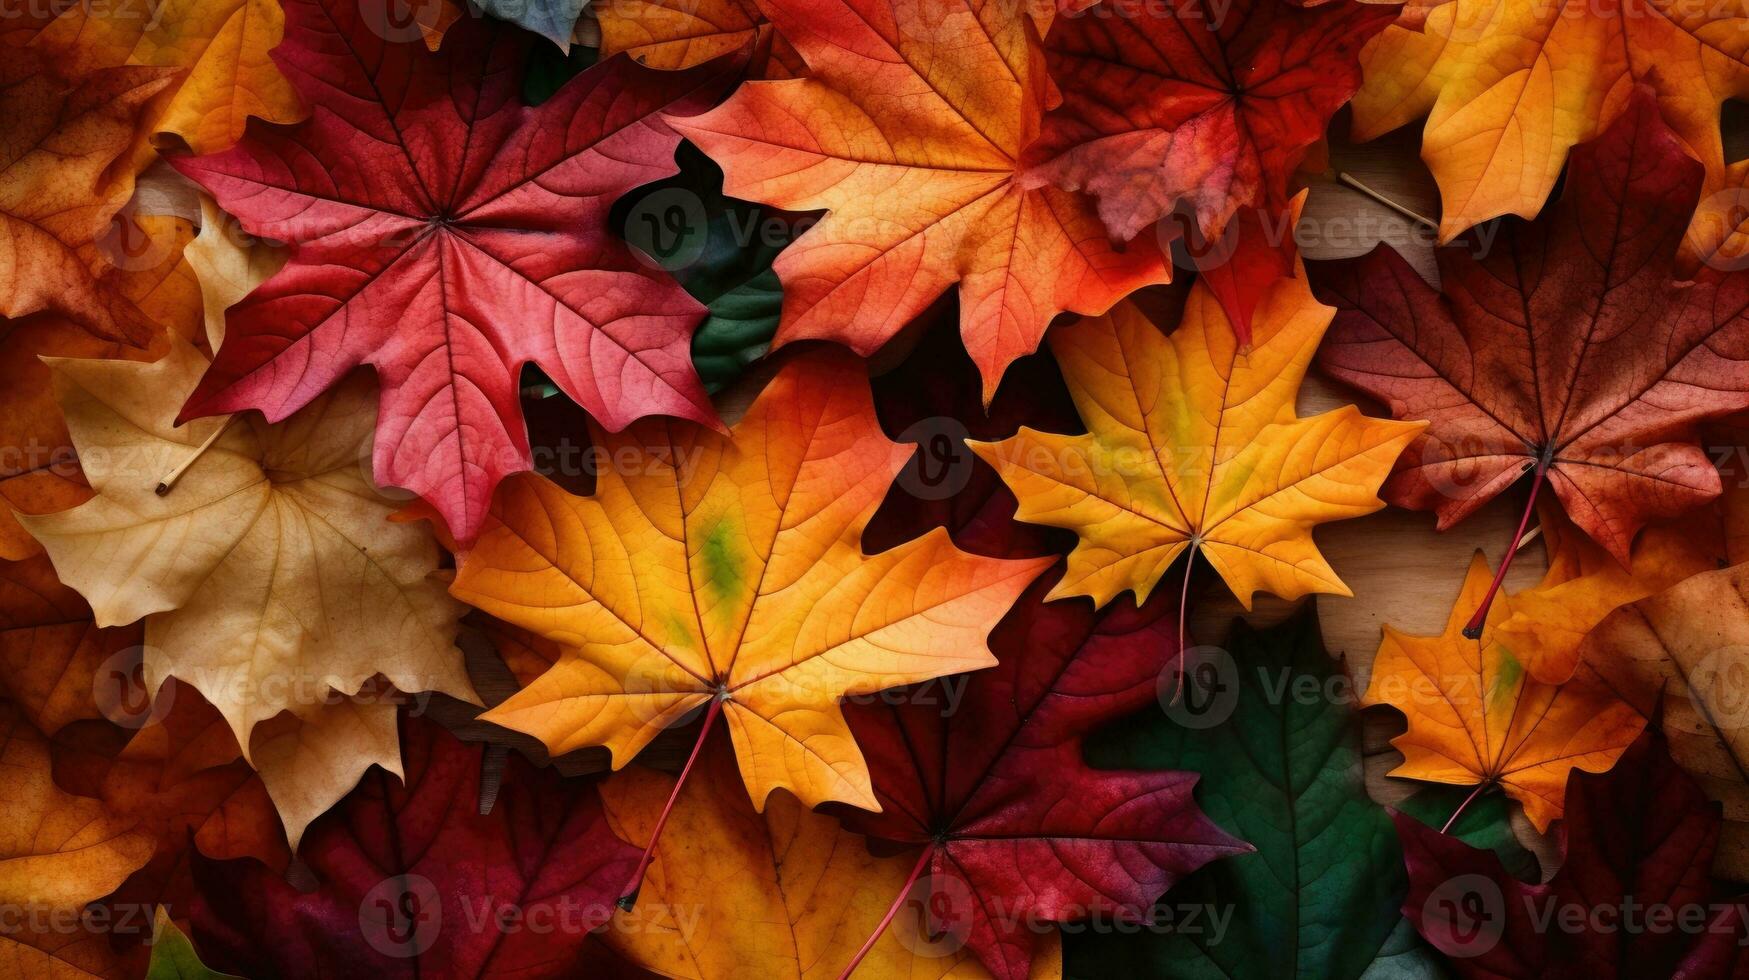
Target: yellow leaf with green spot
{"type": "Point", "coordinates": [1191, 439]}
{"type": "Point", "coordinates": [731, 567]}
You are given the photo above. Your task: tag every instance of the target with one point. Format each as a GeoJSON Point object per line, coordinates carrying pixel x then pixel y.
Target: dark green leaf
{"type": "Point", "coordinates": [719, 248]}
{"type": "Point", "coordinates": [1273, 732]}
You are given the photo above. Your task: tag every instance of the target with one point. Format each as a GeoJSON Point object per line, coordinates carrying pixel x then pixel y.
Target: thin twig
{"type": "Point", "coordinates": [171, 477]}
{"type": "Point", "coordinates": [1349, 180]}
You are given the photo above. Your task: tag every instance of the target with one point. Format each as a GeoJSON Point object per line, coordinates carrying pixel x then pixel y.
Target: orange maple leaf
{"type": "Point", "coordinates": [909, 131]}
{"type": "Point", "coordinates": [729, 570]}
{"type": "Point", "coordinates": [1509, 87]}
{"type": "Point", "coordinates": [1477, 717]}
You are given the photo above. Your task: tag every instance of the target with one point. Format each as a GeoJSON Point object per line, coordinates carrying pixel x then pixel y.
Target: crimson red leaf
{"type": "Point", "coordinates": [446, 235]}
{"type": "Point", "coordinates": [985, 769]}
{"type": "Point", "coordinates": [1560, 347]}
{"type": "Point", "coordinates": [415, 882]}
{"type": "Point", "coordinates": [1632, 898]}
{"type": "Point", "coordinates": [931, 399]}
{"type": "Point", "coordinates": [1210, 102]}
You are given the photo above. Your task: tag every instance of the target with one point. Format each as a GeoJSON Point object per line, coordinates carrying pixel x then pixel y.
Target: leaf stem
{"type": "Point", "coordinates": [171, 477]}
{"type": "Point", "coordinates": [892, 910]}
{"type": "Point", "coordinates": [1183, 605]}
{"type": "Point", "coordinates": [1464, 806]}
{"type": "Point", "coordinates": [1473, 629]}
{"type": "Point", "coordinates": [1349, 180]}
{"type": "Point", "coordinates": [629, 895]}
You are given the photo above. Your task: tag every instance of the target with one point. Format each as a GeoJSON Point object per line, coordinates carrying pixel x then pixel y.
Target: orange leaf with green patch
{"type": "Point", "coordinates": [1477, 717]}
{"type": "Point", "coordinates": [726, 573]}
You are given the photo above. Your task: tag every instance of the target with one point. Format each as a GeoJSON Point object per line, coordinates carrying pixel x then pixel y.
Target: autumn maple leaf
{"type": "Point", "coordinates": [221, 49]}
{"type": "Point", "coordinates": [784, 893]}
{"type": "Point", "coordinates": [40, 473]}
{"type": "Point", "coordinates": [56, 199]}
{"type": "Point", "coordinates": [1193, 443]}
{"type": "Point", "coordinates": [1477, 717]}
{"type": "Point", "coordinates": [446, 235]}
{"type": "Point", "coordinates": [678, 34]}
{"type": "Point", "coordinates": [909, 130]}
{"type": "Point", "coordinates": [727, 573]}
{"type": "Point", "coordinates": [1565, 352]}
{"type": "Point", "coordinates": [57, 853]}
{"type": "Point", "coordinates": [1680, 658]}
{"type": "Point", "coordinates": [988, 780]}
{"type": "Point", "coordinates": [174, 772]}
{"type": "Point", "coordinates": [1509, 88]}
{"type": "Point", "coordinates": [266, 570]}
{"type": "Point", "coordinates": [1637, 853]}
{"type": "Point", "coordinates": [1583, 584]}
{"type": "Point", "coordinates": [416, 879]}
{"type": "Point", "coordinates": [1202, 101]}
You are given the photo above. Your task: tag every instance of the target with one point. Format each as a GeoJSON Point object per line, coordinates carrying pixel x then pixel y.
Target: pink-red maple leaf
{"type": "Point", "coordinates": [446, 235]}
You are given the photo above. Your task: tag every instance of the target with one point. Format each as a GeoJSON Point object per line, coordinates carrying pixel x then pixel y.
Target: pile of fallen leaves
{"type": "Point", "coordinates": [723, 488]}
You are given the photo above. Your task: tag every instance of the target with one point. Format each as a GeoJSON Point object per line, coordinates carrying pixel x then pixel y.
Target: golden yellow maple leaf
{"type": "Point", "coordinates": [220, 47]}
{"type": "Point", "coordinates": [1193, 441]}
{"type": "Point", "coordinates": [268, 575]}
{"type": "Point", "coordinates": [57, 853]}
{"type": "Point", "coordinates": [731, 567]}
{"type": "Point", "coordinates": [1508, 87]}
{"type": "Point", "coordinates": [785, 894]}
{"type": "Point", "coordinates": [677, 34]}
{"type": "Point", "coordinates": [1477, 717]}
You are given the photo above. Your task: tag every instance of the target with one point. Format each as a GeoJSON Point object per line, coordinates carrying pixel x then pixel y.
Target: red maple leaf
{"type": "Point", "coordinates": [414, 881]}
{"type": "Point", "coordinates": [1633, 897]}
{"type": "Point", "coordinates": [446, 235]}
{"type": "Point", "coordinates": [984, 771]}
{"type": "Point", "coordinates": [1210, 103]}
{"type": "Point", "coordinates": [1561, 350]}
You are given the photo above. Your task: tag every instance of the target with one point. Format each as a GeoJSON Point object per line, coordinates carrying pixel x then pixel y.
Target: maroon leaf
{"type": "Point", "coordinates": [1632, 898]}
{"type": "Point", "coordinates": [414, 882]}
{"type": "Point", "coordinates": [985, 770]}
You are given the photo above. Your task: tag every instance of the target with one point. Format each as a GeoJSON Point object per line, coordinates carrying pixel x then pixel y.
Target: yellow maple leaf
{"type": "Point", "coordinates": [1193, 441]}
{"type": "Point", "coordinates": [1477, 717]}
{"type": "Point", "coordinates": [1508, 87]}
{"type": "Point", "coordinates": [730, 567]}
